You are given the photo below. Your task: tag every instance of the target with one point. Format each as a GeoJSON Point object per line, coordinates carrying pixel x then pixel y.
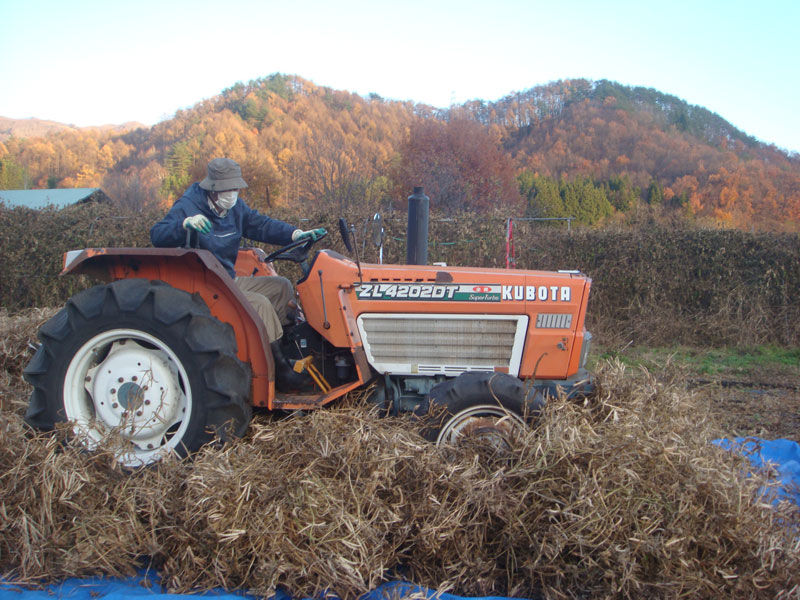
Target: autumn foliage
{"type": "Point", "coordinates": [461, 165]}
{"type": "Point", "coordinates": [592, 150]}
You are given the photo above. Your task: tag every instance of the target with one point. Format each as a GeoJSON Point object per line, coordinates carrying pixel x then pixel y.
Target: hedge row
{"type": "Point", "coordinates": [652, 283]}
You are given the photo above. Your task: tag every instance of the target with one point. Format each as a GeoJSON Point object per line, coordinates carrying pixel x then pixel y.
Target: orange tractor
{"type": "Point", "coordinates": [168, 355]}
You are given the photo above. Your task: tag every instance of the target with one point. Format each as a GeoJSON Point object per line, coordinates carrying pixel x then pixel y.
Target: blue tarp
{"type": "Point", "coordinates": [782, 455]}
{"type": "Point", "coordinates": [147, 586]}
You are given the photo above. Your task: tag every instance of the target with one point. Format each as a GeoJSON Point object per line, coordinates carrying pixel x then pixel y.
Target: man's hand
{"type": "Point", "coordinates": [198, 223]}
{"type": "Point", "coordinates": [314, 234]}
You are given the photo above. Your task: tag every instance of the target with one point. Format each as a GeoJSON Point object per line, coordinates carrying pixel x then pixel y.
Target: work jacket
{"type": "Point", "coordinates": [226, 232]}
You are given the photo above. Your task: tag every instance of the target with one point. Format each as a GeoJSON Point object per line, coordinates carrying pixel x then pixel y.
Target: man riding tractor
{"type": "Point", "coordinates": [213, 209]}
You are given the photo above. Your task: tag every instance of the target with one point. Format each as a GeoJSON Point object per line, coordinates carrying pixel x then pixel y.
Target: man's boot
{"type": "Point", "coordinates": [286, 378]}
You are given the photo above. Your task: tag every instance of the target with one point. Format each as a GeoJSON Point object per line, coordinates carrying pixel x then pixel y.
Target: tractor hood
{"type": "Point", "coordinates": [476, 318]}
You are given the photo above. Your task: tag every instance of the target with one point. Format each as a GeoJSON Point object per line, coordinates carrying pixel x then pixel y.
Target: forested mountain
{"type": "Point", "coordinates": [656, 145]}
{"type": "Point", "coordinates": [25, 128]}
{"type": "Point", "coordinates": [589, 149]}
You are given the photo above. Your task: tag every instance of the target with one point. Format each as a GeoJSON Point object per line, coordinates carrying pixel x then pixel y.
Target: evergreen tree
{"type": "Point", "coordinates": [655, 194]}
{"type": "Point", "coordinates": [621, 193]}
{"type": "Point", "coordinates": [179, 162]}
{"type": "Point", "coordinates": [584, 201]}
{"type": "Point", "coordinates": [12, 175]}
{"type": "Point", "coordinates": [542, 195]}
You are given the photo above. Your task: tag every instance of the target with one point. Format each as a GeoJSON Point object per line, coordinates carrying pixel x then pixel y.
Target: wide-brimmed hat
{"type": "Point", "coordinates": [223, 174]}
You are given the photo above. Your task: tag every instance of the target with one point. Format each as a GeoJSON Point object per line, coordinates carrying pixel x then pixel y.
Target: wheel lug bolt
{"type": "Point", "coordinates": [113, 391]}
{"type": "Point", "coordinates": [145, 388]}
{"type": "Point", "coordinates": [115, 405]}
{"type": "Point", "coordinates": [134, 378]}
{"type": "Point", "coordinates": [120, 380]}
{"type": "Point", "coordinates": [147, 402]}
{"type": "Point", "coordinates": [149, 446]}
{"type": "Point", "coordinates": [138, 413]}
{"type": "Point", "coordinates": [87, 378]}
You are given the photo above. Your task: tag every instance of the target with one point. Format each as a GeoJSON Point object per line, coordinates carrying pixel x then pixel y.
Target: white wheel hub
{"type": "Point", "coordinates": [130, 384]}
{"type": "Point", "coordinates": [494, 424]}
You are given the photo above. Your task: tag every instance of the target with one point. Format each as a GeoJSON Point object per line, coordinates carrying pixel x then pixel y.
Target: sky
{"type": "Point", "coordinates": [97, 62]}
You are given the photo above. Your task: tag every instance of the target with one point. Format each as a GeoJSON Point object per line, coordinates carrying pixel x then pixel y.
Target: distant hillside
{"type": "Point", "coordinates": [30, 128]}
{"type": "Point", "coordinates": [593, 150]}
{"type": "Point", "coordinates": [659, 146]}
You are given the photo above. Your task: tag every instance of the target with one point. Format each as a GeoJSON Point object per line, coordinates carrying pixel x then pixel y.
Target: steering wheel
{"type": "Point", "coordinates": [296, 251]}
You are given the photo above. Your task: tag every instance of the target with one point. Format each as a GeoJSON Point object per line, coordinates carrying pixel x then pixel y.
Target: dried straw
{"type": "Point", "coordinates": [17, 339]}
{"type": "Point", "coordinates": [618, 496]}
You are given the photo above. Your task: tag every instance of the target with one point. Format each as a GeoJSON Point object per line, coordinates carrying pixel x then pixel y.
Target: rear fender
{"type": "Point", "coordinates": [198, 272]}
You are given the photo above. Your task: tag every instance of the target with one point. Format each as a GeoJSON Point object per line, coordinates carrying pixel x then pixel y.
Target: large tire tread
{"type": "Point", "coordinates": [160, 309]}
{"type": "Point", "coordinates": [477, 388]}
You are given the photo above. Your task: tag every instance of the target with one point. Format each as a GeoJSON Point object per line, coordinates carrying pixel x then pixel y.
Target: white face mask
{"type": "Point", "coordinates": [227, 200]}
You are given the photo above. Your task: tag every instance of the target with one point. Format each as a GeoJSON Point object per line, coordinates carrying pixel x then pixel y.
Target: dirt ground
{"type": "Point", "coordinates": [757, 396]}
{"type": "Point", "coordinates": [742, 411]}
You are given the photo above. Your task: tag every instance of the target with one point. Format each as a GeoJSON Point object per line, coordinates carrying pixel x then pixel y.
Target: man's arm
{"type": "Point", "coordinates": [169, 231]}
{"type": "Point", "coordinates": [261, 228]}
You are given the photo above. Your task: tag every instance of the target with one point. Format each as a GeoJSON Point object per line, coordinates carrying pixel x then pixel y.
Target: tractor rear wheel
{"type": "Point", "coordinates": [494, 407]}
{"type": "Point", "coordinates": [143, 364]}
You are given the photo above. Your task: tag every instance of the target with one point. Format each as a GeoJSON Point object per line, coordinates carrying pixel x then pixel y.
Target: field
{"type": "Point", "coordinates": [749, 392]}
{"type": "Point", "coordinates": [620, 496]}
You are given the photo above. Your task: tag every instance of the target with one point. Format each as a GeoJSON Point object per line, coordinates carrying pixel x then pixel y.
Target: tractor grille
{"type": "Point", "coordinates": [442, 344]}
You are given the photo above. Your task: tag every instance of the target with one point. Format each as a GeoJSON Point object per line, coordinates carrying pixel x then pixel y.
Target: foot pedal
{"type": "Point", "coordinates": [307, 365]}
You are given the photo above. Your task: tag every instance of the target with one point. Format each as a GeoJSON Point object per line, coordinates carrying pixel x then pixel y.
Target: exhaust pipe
{"type": "Point", "coordinates": [417, 238]}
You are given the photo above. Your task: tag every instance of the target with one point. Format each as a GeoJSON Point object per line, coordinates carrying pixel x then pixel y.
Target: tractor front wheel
{"type": "Point", "coordinates": [493, 407]}
{"type": "Point", "coordinates": [141, 364]}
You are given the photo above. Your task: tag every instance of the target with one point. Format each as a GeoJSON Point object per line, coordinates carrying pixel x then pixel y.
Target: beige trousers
{"type": "Point", "coordinates": [270, 296]}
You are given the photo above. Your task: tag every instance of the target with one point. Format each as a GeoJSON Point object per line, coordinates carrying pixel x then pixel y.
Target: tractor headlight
{"type": "Point", "coordinates": [587, 343]}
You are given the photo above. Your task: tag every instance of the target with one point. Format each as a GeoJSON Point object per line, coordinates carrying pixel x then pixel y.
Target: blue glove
{"type": "Point", "coordinates": [314, 234]}
{"type": "Point", "coordinates": [198, 223]}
